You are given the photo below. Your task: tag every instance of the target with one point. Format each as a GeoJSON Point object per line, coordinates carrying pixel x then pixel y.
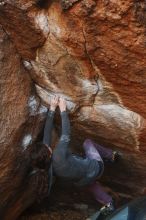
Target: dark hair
{"type": "Point", "coordinates": [40, 156]}
{"type": "Point", "coordinates": [39, 168]}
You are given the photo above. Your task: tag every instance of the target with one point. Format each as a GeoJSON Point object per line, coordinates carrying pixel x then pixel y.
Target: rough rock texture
{"type": "Point", "coordinates": [32, 33]}
{"type": "Point", "coordinates": [92, 53]}
{"type": "Point", "coordinates": [21, 121]}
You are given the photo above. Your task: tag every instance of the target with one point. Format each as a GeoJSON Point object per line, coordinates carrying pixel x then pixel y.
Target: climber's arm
{"type": "Point", "coordinates": [49, 122]}
{"type": "Point", "coordinates": [61, 150]}
{"type": "Point", "coordinates": [65, 133]}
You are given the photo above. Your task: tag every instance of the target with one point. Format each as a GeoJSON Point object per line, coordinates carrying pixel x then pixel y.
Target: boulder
{"type": "Point", "coordinates": [92, 53]}
{"type": "Point", "coordinates": [22, 118]}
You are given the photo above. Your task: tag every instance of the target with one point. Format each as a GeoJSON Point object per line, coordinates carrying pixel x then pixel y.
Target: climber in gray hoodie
{"type": "Point", "coordinates": [72, 168]}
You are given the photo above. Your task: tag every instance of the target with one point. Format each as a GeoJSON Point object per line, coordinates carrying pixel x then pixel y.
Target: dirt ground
{"type": "Point", "coordinates": [65, 203]}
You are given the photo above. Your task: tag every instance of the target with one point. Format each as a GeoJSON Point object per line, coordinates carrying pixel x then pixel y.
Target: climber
{"type": "Point", "coordinates": [80, 171]}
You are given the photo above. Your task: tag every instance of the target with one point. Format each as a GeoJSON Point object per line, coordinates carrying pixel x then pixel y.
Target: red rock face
{"type": "Point", "coordinates": [92, 53]}
{"type": "Point", "coordinates": [21, 120]}
{"type": "Point", "coordinates": [32, 33]}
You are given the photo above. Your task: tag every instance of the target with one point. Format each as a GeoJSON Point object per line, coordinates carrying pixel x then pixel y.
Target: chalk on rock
{"type": "Point", "coordinates": [43, 109]}
{"type": "Point", "coordinates": [27, 64]}
{"type": "Point", "coordinates": [27, 140]}
{"type": "Point", "coordinates": [33, 105]}
{"type": "Point", "coordinates": [42, 21]}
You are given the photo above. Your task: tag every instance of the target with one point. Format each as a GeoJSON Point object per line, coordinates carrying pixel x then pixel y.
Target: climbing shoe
{"type": "Point", "coordinates": [107, 209]}
{"type": "Point", "coordinates": [103, 212]}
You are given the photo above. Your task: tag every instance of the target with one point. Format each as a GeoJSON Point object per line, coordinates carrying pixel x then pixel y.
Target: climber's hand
{"type": "Point", "coordinates": [62, 104]}
{"type": "Point", "coordinates": [54, 103]}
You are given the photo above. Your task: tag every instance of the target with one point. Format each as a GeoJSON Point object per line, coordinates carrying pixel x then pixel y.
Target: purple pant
{"type": "Point", "coordinates": [97, 152]}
